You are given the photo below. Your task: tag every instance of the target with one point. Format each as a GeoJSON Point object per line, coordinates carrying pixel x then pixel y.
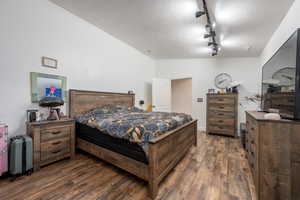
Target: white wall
{"type": "Point", "coordinates": [87, 56]}
{"type": "Point", "coordinates": [287, 27]}
{"type": "Point", "coordinates": [203, 72]}
{"type": "Point", "coordinates": [182, 95]}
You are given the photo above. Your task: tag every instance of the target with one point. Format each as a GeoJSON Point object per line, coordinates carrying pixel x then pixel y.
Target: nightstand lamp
{"type": "Point", "coordinates": [51, 102]}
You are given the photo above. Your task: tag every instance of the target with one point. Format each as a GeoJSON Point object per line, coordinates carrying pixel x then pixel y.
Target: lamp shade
{"type": "Point", "coordinates": [51, 102]}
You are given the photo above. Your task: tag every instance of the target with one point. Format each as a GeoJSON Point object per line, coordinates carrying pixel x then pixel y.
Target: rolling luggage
{"type": "Point", "coordinates": [20, 156]}
{"type": "Point", "coordinates": [3, 148]}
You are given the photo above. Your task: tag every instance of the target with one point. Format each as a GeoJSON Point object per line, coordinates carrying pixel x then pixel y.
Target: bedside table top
{"type": "Point", "coordinates": [48, 122]}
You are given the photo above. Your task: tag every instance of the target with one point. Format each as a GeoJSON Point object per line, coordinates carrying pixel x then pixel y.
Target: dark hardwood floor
{"type": "Point", "coordinates": [216, 170]}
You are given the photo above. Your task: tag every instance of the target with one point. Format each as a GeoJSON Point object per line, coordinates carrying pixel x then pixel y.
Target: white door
{"type": "Point", "coordinates": [161, 95]}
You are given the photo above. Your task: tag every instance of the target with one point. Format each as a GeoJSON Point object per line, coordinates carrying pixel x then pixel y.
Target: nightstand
{"type": "Point", "coordinates": [52, 141]}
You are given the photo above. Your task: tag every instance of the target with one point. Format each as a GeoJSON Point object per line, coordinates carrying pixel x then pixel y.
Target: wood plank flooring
{"type": "Point", "coordinates": [216, 170]}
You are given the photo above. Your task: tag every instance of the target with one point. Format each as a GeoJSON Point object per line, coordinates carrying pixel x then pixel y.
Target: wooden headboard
{"type": "Point", "coordinates": [82, 101]}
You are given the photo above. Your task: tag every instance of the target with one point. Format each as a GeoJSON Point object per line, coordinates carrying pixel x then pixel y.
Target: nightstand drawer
{"type": "Point", "coordinates": [55, 148]}
{"type": "Point", "coordinates": [54, 133]}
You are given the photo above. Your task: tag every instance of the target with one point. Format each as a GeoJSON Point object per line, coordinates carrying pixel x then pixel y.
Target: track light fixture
{"type": "Point", "coordinates": [212, 43]}
{"type": "Point", "coordinates": [200, 13]}
{"type": "Point", "coordinates": [210, 28]}
{"type": "Point", "coordinates": [211, 34]}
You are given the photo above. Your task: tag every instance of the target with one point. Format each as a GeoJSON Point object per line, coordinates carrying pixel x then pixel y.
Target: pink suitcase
{"type": "Point", "coordinates": [3, 148]}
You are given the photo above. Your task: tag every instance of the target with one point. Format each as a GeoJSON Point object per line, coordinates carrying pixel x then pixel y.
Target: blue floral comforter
{"type": "Point", "coordinates": [132, 123]}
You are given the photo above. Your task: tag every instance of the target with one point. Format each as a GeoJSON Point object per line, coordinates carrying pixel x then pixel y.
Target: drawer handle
{"type": "Point", "coordinates": [221, 121]}
{"type": "Point", "coordinates": [56, 143]}
{"type": "Point", "coordinates": [252, 129]}
{"type": "Point", "coordinates": [55, 152]}
{"type": "Point", "coordinates": [220, 114]}
{"type": "Point", "coordinates": [221, 99]}
{"type": "Point", "coordinates": [56, 132]}
{"type": "Point", "coordinates": [221, 107]}
{"type": "Point", "coordinates": [220, 127]}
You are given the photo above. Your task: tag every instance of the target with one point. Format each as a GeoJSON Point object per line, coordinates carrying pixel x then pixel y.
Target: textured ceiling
{"type": "Point", "coordinates": [168, 28]}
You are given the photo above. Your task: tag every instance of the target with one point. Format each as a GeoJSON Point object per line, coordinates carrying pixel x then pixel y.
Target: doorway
{"type": "Point", "coordinates": [181, 95]}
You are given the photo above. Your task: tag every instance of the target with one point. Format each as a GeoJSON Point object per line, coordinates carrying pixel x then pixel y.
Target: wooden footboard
{"type": "Point", "coordinates": [167, 150]}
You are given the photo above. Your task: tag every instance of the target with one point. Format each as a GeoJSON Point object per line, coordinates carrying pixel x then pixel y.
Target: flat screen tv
{"type": "Point", "coordinates": [280, 80]}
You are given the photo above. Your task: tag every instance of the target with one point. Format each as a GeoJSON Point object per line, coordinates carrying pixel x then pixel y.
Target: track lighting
{"type": "Point", "coordinates": [212, 43]}
{"type": "Point", "coordinates": [215, 51]}
{"type": "Point", "coordinates": [212, 34]}
{"type": "Point", "coordinates": [210, 28]}
{"type": "Point", "coordinates": [200, 13]}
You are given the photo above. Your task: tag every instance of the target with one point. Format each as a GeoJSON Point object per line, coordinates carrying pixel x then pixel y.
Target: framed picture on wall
{"type": "Point", "coordinates": [49, 62]}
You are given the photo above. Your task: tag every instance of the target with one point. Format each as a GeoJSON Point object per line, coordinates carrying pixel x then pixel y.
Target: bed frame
{"type": "Point", "coordinates": [164, 153]}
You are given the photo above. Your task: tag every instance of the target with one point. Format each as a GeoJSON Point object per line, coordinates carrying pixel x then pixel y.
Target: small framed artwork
{"type": "Point", "coordinates": [49, 62]}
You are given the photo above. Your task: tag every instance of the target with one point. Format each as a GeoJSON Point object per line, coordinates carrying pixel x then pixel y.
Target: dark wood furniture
{"type": "Point", "coordinates": [164, 152]}
{"type": "Point", "coordinates": [222, 113]}
{"type": "Point", "coordinates": [273, 152]}
{"type": "Point", "coordinates": [52, 141]}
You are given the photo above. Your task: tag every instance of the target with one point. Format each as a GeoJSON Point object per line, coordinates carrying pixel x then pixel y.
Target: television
{"type": "Point", "coordinates": [280, 80]}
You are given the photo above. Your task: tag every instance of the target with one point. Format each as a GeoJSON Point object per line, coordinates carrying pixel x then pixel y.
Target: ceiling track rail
{"type": "Point", "coordinates": [210, 28]}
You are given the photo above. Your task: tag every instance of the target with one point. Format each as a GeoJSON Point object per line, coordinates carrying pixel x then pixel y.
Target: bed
{"type": "Point", "coordinates": [163, 152]}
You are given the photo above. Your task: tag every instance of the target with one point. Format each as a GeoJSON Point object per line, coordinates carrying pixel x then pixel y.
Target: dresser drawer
{"type": "Point", "coordinates": [252, 130]}
{"type": "Point", "coordinates": [222, 121]}
{"type": "Point", "coordinates": [54, 133]}
{"type": "Point", "coordinates": [222, 100]}
{"type": "Point", "coordinates": [220, 114]}
{"type": "Point", "coordinates": [218, 129]}
{"type": "Point", "coordinates": [55, 148]}
{"type": "Point", "coordinates": [253, 152]}
{"type": "Point", "coordinates": [222, 108]}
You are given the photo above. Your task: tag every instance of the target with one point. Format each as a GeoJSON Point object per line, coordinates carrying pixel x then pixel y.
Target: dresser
{"type": "Point", "coordinates": [222, 113]}
{"type": "Point", "coordinates": [52, 141]}
{"type": "Point", "coordinates": [273, 152]}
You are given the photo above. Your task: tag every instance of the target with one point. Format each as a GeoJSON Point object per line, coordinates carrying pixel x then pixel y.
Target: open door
{"type": "Point", "coordinates": [161, 95]}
